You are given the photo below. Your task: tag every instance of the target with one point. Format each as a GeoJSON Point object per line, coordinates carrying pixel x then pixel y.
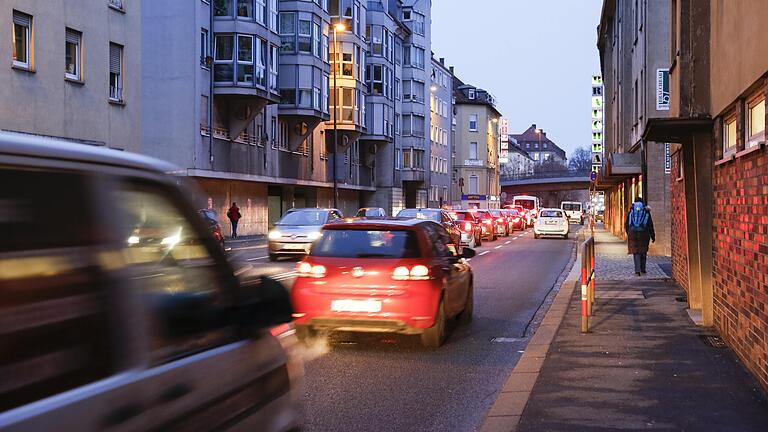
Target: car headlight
{"type": "Point", "coordinates": [274, 235]}
{"type": "Point", "coordinates": [314, 235]}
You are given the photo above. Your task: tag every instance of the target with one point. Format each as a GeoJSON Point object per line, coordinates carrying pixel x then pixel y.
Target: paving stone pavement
{"type": "Point", "coordinates": [622, 267]}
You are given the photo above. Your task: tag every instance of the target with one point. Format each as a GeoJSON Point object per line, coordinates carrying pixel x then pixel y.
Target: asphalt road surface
{"type": "Point", "coordinates": [390, 383]}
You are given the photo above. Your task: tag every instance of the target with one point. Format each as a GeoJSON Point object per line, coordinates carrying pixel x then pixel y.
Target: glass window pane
{"type": "Point", "coordinates": [20, 43]}
{"type": "Point", "coordinates": [245, 49]}
{"type": "Point", "coordinates": [70, 58]}
{"type": "Point", "coordinates": [222, 7]}
{"type": "Point", "coordinates": [224, 47]}
{"type": "Point", "coordinates": [757, 118]}
{"type": "Point", "coordinates": [245, 8]}
{"type": "Point", "coordinates": [730, 135]}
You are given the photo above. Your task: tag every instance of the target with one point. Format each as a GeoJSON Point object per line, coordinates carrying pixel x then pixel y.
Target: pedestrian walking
{"type": "Point", "coordinates": [234, 216]}
{"type": "Point", "coordinates": [640, 232]}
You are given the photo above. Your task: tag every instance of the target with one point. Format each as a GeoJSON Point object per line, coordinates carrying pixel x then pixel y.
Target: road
{"type": "Point", "coordinates": [389, 383]}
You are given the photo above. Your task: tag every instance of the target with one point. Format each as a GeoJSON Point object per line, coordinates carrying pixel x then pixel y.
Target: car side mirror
{"type": "Point", "coordinates": [467, 253]}
{"type": "Point", "coordinates": [262, 304]}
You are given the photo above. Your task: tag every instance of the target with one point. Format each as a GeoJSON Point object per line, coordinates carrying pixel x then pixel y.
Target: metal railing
{"type": "Point", "coordinates": [587, 249]}
{"type": "Point", "coordinates": [545, 175]}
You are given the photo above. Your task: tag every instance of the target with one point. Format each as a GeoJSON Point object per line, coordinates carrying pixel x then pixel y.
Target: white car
{"type": "Point", "coordinates": [551, 221]}
{"type": "Point", "coordinates": [573, 209]}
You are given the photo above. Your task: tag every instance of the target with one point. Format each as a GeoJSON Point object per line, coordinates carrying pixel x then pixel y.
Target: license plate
{"type": "Point", "coordinates": [293, 246]}
{"type": "Point", "coordinates": [551, 222]}
{"type": "Point", "coordinates": [356, 305]}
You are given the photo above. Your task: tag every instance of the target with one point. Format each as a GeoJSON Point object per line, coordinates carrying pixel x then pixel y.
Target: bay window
{"type": "Point", "coordinates": [288, 32]}
{"type": "Point", "coordinates": [222, 7]}
{"type": "Point", "coordinates": [305, 36]}
{"type": "Point", "coordinates": [273, 15]}
{"type": "Point", "coordinates": [377, 44]}
{"type": "Point", "coordinates": [326, 93]}
{"type": "Point", "coordinates": [223, 55]}
{"type": "Point", "coordinates": [305, 98]}
{"type": "Point", "coordinates": [316, 46]}
{"type": "Point", "coordinates": [245, 59]}
{"type": "Point", "coordinates": [274, 66]}
{"type": "Point", "coordinates": [245, 8]}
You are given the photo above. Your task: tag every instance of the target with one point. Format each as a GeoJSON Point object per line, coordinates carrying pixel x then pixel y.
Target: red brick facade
{"type": "Point", "coordinates": [679, 237]}
{"type": "Point", "coordinates": [740, 255]}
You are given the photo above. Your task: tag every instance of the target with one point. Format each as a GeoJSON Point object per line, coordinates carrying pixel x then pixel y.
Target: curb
{"type": "Point", "coordinates": [506, 411]}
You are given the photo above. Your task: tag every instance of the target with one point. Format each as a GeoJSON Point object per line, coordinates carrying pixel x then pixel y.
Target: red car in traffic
{"type": "Point", "coordinates": [391, 276]}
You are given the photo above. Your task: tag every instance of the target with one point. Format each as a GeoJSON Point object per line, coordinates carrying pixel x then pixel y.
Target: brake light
{"type": "Point", "coordinates": [487, 221]}
{"type": "Point", "coordinates": [305, 269]}
{"type": "Point", "coordinates": [517, 219]}
{"type": "Point", "coordinates": [417, 272]}
{"type": "Point", "coordinates": [467, 226]}
{"type": "Point", "coordinates": [500, 220]}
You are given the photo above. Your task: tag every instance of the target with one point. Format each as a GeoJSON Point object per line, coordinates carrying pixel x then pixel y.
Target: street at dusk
{"type": "Point", "coordinates": [383, 215]}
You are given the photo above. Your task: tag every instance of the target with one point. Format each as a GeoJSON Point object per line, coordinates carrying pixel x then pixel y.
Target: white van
{"type": "Point", "coordinates": [120, 310]}
{"type": "Point", "coordinates": [573, 210]}
{"type": "Point", "coordinates": [530, 204]}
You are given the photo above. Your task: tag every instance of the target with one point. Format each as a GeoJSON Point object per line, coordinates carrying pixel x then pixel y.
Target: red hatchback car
{"type": "Point", "coordinates": [390, 276]}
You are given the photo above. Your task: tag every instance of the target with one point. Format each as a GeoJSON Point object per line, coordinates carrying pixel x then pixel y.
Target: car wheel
{"type": "Point", "coordinates": [273, 257]}
{"type": "Point", "coordinates": [304, 332]}
{"type": "Point", "coordinates": [565, 236]}
{"type": "Point", "coordinates": [434, 336]}
{"type": "Point", "coordinates": [466, 315]}
{"type": "Point", "coordinates": [479, 240]}
{"type": "Point", "coordinates": [536, 236]}
{"type": "Point", "coordinates": [472, 243]}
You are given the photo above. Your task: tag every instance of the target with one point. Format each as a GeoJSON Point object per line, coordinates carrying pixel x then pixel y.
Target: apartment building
{"type": "Point", "coordinates": [476, 149]}
{"type": "Point", "coordinates": [441, 118]}
{"type": "Point", "coordinates": [520, 164]}
{"type": "Point", "coordinates": [634, 53]}
{"type": "Point", "coordinates": [719, 167]}
{"type": "Point", "coordinates": [73, 70]}
{"type": "Point", "coordinates": [539, 147]}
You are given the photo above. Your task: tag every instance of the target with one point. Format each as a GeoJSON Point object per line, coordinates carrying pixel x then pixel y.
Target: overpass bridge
{"type": "Point", "coordinates": [551, 187]}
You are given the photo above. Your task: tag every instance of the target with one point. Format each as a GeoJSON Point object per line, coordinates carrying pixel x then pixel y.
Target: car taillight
{"type": "Point", "coordinates": [487, 221]}
{"type": "Point", "coordinates": [305, 269]}
{"type": "Point", "coordinates": [500, 220]}
{"type": "Point", "coordinates": [467, 226]}
{"type": "Point", "coordinates": [517, 219]}
{"type": "Point", "coordinates": [417, 272]}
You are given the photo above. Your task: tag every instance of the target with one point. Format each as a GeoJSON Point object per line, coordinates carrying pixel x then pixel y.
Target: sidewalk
{"type": "Point", "coordinates": [643, 366]}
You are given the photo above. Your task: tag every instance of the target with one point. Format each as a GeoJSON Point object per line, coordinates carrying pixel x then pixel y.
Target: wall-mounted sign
{"type": "Point", "coordinates": [473, 162]}
{"type": "Point", "coordinates": [597, 159]}
{"type": "Point", "coordinates": [662, 89]}
{"type": "Point", "coordinates": [597, 148]}
{"type": "Point", "coordinates": [597, 101]}
{"type": "Point", "coordinates": [596, 169]}
{"type": "Point", "coordinates": [504, 129]}
{"type": "Point", "coordinates": [667, 160]}
{"type": "Point", "coordinates": [473, 197]}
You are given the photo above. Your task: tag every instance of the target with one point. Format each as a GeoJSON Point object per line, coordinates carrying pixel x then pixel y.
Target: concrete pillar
{"type": "Point", "coordinates": [697, 172]}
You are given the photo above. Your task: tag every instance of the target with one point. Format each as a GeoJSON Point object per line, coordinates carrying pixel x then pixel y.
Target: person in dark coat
{"type": "Point", "coordinates": [234, 217]}
{"type": "Point", "coordinates": [640, 232]}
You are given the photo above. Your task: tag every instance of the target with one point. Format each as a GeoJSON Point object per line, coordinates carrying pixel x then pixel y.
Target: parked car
{"type": "Point", "coordinates": [120, 310]}
{"type": "Point", "coordinates": [295, 232]}
{"type": "Point", "coordinates": [437, 215]}
{"type": "Point", "coordinates": [574, 211]}
{"type": "Point", "coordinates": [471, 231]}
{"type": "Point", "coordinates": [396, 276]}
{"type": "Point", "coordinates": [551, 221]}
{"type": "Point", "coordinates": [371, 213]}
{"type": "Point", "coordinates": [212, 220]}
{"type": "Point", "coordinates": [500, 222]}
{"type": "Point", "coordinates": [486, 223]}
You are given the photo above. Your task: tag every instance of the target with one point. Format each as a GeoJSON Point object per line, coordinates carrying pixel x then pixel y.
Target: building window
{"type": "Point", "coordinates": [325, 48]}
{"type": "Point", "coordinates": [407, 158]}
{"type": "Point", "coordinates": [117, 4]}
{"type": "Point", "coordinates": [244, 59]}
{"type": "Point", "coordinates": [316, 38]}
{"type": "Point", "coordinates": [413, 56]}
{"type": "Point", "coordinates": [473, 122]}
{"type": "Point", "coordinates": [376, 81]}
{"type": "Point", "coordinates": [204, 47]}
{"type": "Point", "coordinates": [471, 93]}
{"type": "Point", "coordinates": [245, 8]}
{"type": "Point", "coordinates": [288, 32]}
{"type": "Point", "coordinates": [473, 150]}
{"type": "Point", "coordinates": [729, 135]}
{"type": "Point", "coordinates": [473, 182]}
{"type": "Point", "coordinates": [316, 96]}
{"type": "Point", "coordinates": [305, 36]}
{"type": "Point", "coordinates": [22, 39]}
{"type": "Point", "coordinates": [756, 121]}
{"type": "Point", "coordinates": [288, 96]}
{"type": "Point", "coordinates": [377, 43]}
{"type": "Point", "coordinates": [679, 165]}
{"type": "Point", "coordinates": [326, 92]}
{"type": "Point", "coordinates": [273, 15]}
{"type": "Point", "coordinates": [115, 72]}
{"type": "Point", "coordinates": [223, 56]}
{"type": "Point", "coordinates": [273, 68]}
{"type": "Point", "coordinates": [222, 7]}
{"type": "Point", "coordinates": [72, 54]}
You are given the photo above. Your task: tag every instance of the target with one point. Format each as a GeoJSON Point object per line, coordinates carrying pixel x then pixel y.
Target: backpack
{"type": "Point", "coordinates": [638, 217]}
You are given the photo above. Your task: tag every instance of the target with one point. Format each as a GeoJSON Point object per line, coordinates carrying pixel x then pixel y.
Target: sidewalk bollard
{"type": "Point", "coordinates": [584, 287]}
{"type": "Point", "coordinates": [592, 276]}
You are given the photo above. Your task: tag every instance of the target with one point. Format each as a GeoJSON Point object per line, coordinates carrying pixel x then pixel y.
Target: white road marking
{"type": "Point", "coordinates": [246, 247]}
{"type": "Point", "coordinates": [483, 253]}
{"type": "Point", "coordinates": [257, 258]}
{"type": "Point", "coordinates": [497, 247]}
{"type": "Point", "coordinates": [508, 241]}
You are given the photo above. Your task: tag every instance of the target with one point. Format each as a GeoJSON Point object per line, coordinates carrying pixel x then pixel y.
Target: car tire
{"type": "Point", "coordinates": [479, 240]}
{"type": "Point", "coordinates": [565, 236]}
{"type": "Point", "coordinates": [273, 257]}
{"type": "Point", "coordinates": [466, 315]}
{"type": "Point", "coordinates": [304, 332]}
{"type": "Point", "coordinates": [472, 243]}
{"type": "Point", "coordinates": [536, 236]}
{"type": "Point", "coordinates": [434, 336]}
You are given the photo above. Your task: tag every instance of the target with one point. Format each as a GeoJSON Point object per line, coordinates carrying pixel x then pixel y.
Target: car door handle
{"type": "Point", "coordinates": [175, 392]}
{"type": "Point", "coordinates": [122, 415]}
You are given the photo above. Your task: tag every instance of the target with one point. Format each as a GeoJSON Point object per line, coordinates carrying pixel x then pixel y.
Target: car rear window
{"type": "Point", "coordinates": [525, 203]}
{"type": "Point", "coordinates": [514, 212]}
{"type": "Point", "coordinates": [304, 218]}
{"type": "Point", "coordinates": [482, 215]}
{"type": "Point", "coordinates": [496, 213]}
{"type": "Point", "coordinates": [572, 207]}
{"type": "Point", "coordinates": [551, 213]}
{"type": "Point", "coordinates": [421, 214]}
{"type": "Point", "coordinates": [463, 216]}
{"type": "Point", "coordinates": [367, 244]}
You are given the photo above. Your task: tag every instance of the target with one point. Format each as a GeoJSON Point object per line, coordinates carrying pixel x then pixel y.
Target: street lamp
{"type": "Point", "coordinates": [338, 27]}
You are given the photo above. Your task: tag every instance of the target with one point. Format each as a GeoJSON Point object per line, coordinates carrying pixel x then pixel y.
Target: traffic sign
{"type": "Point", "coordinates": [593, 176]}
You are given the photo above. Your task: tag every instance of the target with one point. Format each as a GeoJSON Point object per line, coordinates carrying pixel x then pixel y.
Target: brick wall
{"type": "Point", "coordinates": [678, 229]}
{"type": "Point", "coordinates": [740, 254]}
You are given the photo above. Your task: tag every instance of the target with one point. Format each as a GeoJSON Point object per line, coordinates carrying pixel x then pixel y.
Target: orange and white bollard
{"type": "Point", "coordinates": [584, 299]}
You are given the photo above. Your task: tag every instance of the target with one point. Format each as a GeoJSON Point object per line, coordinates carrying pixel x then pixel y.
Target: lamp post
{"type": "Point", "coordinates": [336, 64]}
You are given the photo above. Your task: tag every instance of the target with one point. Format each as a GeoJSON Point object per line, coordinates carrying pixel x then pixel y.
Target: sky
{"type": "Point", "coordinates": [537, 57]}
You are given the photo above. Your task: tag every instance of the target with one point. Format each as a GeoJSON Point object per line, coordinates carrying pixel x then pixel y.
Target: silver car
{"type": "Point", "coordinates": [295, 232]}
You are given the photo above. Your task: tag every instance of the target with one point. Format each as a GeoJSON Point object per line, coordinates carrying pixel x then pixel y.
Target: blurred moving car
{"type": "Point", "coordinates": [500, 222]}
{"type": "Point", "coordinates": [120, 310]}
{"type": "Point", "coordinates": [574, 211]}
{"type": "Point", "coordinates": [295, 232]}
{"type": "Point", "coordinates": [600, 216]}
{"type": "Point", "coordinates": [551, 221]}
{"type": "Point", "coordinates": [437, 215]}
{"type": "Point", "coordinates": [394, 276]}
{"type": "Point", "coordinates": [212, 220]}
{"type": "Point", "coordinates": [373, 213]}
{"type": "Point", "coordinates": [486, 224]}
{"type": "Point", "coordinates": [471, 231]}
